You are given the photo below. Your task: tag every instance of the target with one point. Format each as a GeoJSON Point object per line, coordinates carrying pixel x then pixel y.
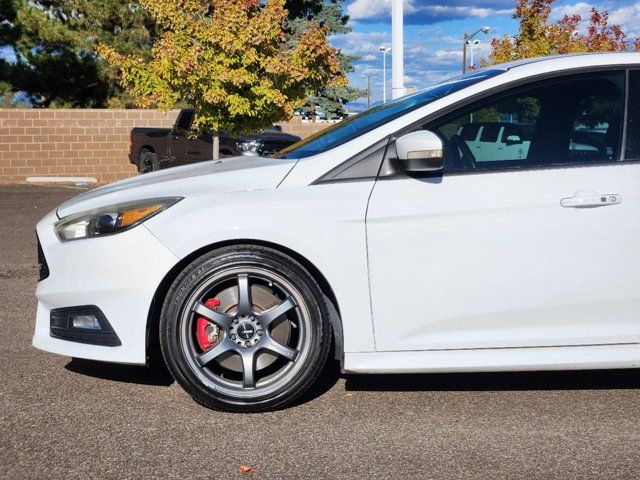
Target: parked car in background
{"type": "Point", "coordinates": [491, 141]}
{"type": "Point", "coordinates": [152, 149]}
{"type": "Point", "coordinates": [383, 239]}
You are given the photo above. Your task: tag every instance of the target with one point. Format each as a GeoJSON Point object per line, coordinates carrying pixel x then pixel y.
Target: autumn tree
{"type": "Point", "coordinates": [230, 60]}
{"type": "Point", "coordinates": [537, 36]}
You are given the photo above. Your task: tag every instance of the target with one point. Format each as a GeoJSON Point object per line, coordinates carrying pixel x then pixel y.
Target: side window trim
{"type": "Point", "coordinates": [341, 172]}
{"type": "Point", "coordinates": [625, 117]}
{"type": "Point", "coordinates": [632, 121]}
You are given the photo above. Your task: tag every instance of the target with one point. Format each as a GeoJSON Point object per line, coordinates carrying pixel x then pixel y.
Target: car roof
{"type": "Point", "coordinates": [575, 59]}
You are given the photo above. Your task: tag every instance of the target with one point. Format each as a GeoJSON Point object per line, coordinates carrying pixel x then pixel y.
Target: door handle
{"type": "Point", "coordinates": [591, 199]}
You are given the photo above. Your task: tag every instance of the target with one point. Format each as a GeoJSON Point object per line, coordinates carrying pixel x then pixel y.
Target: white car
{"type": "Point", "coordinates": [382, 239]}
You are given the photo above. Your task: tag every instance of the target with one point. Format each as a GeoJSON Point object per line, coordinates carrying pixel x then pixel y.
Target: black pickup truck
{"type": "Point", "coordinates": [156, 148]}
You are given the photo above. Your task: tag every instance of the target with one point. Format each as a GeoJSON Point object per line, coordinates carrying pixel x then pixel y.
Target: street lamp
{"type": "Point", "coordinates": [384, 51]}
{"type": "Point", "coordinates": [466, 40]}
{"type": "Point", "coordinates": [368, 76]}
{"type": "Point", "coordinates": [472, 43]}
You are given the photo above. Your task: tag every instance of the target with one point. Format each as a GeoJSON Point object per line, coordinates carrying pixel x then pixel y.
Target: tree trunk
{"type": "Point", "coordinates": [216, 145]}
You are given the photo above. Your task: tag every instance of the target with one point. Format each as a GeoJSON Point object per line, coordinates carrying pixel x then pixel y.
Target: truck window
{"type": "Point", "coordinates": [185, 119]}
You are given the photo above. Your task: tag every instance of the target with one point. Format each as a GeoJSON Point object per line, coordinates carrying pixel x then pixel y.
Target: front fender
{"type": "Point", "coordinates": [322, 223]}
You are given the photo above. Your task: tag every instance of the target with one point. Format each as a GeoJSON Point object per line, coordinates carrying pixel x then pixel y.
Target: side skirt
{"type": "Point", "coordinates": [496, 359]}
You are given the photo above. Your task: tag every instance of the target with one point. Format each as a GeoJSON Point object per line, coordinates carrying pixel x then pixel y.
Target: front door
{"type": "Point", "coordinates": [520, 252]}
{"type": "Point", "coordinates": [184, 147]}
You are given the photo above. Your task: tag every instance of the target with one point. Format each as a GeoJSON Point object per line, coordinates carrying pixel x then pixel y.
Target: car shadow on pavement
{"type": "Point", "coordinates": [156, 375]}
{"type": "Point", "coordinates": [498, 381]}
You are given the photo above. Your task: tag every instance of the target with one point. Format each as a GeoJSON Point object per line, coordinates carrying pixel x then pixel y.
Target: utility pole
{"type": "Point", "coordinates": [368, 77]}
{"type": "Point", "coordinates": [397, 47]}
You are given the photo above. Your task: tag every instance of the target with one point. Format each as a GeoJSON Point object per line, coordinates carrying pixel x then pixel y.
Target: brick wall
{"type": "Point", "coordinates": [84, 143]}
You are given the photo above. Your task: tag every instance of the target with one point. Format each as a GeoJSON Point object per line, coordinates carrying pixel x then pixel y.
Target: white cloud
{"type": "Point", "coordinates": [378, 9]}
{"type": "Point", "coordinates": [363, 9]}
{"type": "Point", "coordinates": [628, 17]}
{"type": "Point", "coordinates": [581, 8]}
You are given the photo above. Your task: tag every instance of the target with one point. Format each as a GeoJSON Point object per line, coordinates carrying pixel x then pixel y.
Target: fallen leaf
{"type": "Point", "coordinates": [245, 469]}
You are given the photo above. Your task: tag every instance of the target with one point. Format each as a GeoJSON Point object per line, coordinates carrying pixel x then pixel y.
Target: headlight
{"type": "Point", "coordinates": [112, 219]}
{"type": "Point", "coordinates": [249, 146]}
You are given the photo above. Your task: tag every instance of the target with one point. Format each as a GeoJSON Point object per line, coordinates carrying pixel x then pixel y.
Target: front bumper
{"type": "Point", "coordinates": [119, 274]}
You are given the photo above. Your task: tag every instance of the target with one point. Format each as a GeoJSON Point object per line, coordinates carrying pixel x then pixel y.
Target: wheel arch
{"type": "Point", "coordinates": [154, 355]}
{"type": "Point", "coordinates": [147, 148]}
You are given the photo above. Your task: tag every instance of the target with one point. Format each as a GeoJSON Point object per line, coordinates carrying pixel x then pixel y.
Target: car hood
{"type": "Point", "coordinates": [226, 175]}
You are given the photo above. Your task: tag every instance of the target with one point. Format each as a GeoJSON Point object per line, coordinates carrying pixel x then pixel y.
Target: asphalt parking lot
{"type": "Point", "coordinates": [64, 418]}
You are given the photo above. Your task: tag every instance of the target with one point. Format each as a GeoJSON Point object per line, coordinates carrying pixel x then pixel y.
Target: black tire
{"type": "Point", "coordinates": [148, 161]}
{"type": "Point", "coordinates": [304, 313]}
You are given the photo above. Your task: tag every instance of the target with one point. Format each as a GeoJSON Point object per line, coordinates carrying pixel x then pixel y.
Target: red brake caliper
{"type": "Point", "coordinates": [206, 332]}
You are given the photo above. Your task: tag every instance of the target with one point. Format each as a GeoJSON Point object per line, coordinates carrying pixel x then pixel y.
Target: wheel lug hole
{"type": "Point", "coordinates": [233, 337]}
{"type": "Point", "coordinates": [260, 333]}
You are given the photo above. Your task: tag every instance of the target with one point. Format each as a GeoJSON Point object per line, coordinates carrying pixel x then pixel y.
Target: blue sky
{"type": "Point", "coordinates": [434, 29]}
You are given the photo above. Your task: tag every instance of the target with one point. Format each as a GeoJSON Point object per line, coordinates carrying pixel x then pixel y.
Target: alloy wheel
{"type": "Point", "coordinates": [259, 331]}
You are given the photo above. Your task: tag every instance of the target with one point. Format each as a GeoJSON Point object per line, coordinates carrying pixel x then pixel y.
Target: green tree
{"type": "Point", "coordinates": [230, 60]}
{"type": "Point", "coordinates": [328, 13]}
{"type": "Point", "coordinates": [54, 42]}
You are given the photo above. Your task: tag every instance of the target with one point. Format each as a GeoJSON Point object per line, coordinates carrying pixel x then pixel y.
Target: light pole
{"type": "Point", "coordinates": [384, 51]}
{"type": "Point", "coordinates": [472, 44]}
{"type": "Point", "coordinates": [466, 39]}
{"type": "Point", "coordinates": [368, 76]}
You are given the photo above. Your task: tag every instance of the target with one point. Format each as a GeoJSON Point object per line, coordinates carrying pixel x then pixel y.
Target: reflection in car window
{"type": "Point", "coordinates": [368, 120]}
{"type": "Point", "coordinates": [490, 132]}
{"type": "Point", "coordinates": [569, 120]}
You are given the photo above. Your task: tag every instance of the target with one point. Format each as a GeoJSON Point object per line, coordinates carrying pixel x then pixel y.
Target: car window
{"type": "Point", "coordinates": [568, 120]}
{"type": "Point", "coordinates": [185, 119]}
{"type": "Point", "coordinates": [632, 150]}
{"type": "Point", "coordinates": [490, 133]}
{"type": "Point", "coordinates": [370, 119]}
{"type": "Point", "coordinates": [469, 131]}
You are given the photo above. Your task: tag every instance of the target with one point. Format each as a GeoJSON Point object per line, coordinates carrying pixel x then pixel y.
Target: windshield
{"type": "Point", "coordinates": [368, 120]}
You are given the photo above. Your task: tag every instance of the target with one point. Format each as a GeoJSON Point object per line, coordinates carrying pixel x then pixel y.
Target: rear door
{"type": "Point", "coordinates": [516, 252]}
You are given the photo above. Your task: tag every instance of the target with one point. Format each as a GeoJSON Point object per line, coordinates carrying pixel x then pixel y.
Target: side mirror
{"type": "Point", "coordinates": [420, 151]}
{"type": "Point", "coordinates": [513, 140]}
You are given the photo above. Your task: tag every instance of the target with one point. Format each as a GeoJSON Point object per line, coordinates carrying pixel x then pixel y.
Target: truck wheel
{"type": "Point", "coordinates": [148, 162]}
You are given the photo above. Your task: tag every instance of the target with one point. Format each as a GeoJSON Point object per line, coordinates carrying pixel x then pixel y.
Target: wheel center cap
{"type": "Point", "coordinates": [246, 331]}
